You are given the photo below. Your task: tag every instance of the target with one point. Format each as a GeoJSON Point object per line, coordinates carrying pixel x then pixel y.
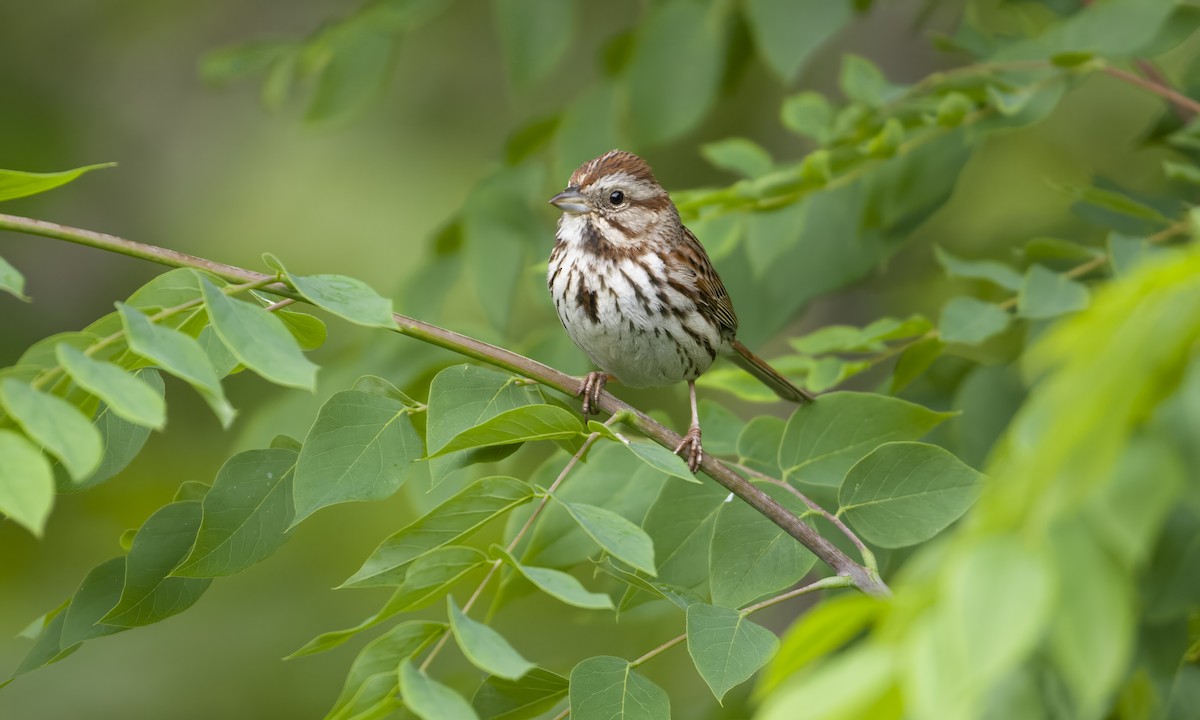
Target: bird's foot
{"type": "Point", "coordinates": [690, 449]}
{"type": "Point", "coordinates": [590, 389]}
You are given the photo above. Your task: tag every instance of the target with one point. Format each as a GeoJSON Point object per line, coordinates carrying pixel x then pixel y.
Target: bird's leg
{"type": "Point", "coordinates": [689, 448]}
{"type": "Point", "coordinates": [591, 387]}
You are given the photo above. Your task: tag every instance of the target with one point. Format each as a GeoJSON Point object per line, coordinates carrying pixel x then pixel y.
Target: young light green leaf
{"type": "Point", "coordinates": [738, 155]}
{"type": "Point", "coordinates": [970, 321]}
{"type": "Point", "coordinates": [12, 281]}
{"type": "Point", "coordinates": [258, 339]}
{"type": "Point", "coordinates": [172, 288]}
{"type": "Point", "coordinates": [532, 696]}
{"type": "Point", "coordinates": [1118, 203]}
{"type": "Point", "coordinates": [1047, 294]}
{"type": "Point", "coordinates": [122, 392]}
{"type": "Point", "coordinates": [953, 108]}
{"type": "Point", "coordinates": [16, 183]}
{"type": "Point", "coordinates": [246, 514]}
{"type": "Point", "coordinates": [861, 80]}
{"type": "Point", "coordinates": [57, 425]}
{"type": "Point", "coordinates": [809, 114]}
{"type": "Point", "coordinates": [26, 483]}
{"type": "Point", "coordinates": [990, 270]}
{"type": "Point", "coordinates": [817, 633]}
{"type": "Point", "coordinates": [343, 296]}
{"type": "Point", "coordinates": [449, 522]}
{"type": "Point", "coordinates": [96, 595]}
{"type": "Point", "coordinates": [607, 688]}
{"type": "Point", "coordinates": [484, 647]}
{"type": "Point", "coordinates": [430, 700]}
{"type": "Point", "coordinates": [178, 354]}
{"type": "Point", "coordinates": [558, 584]}
{"type": "Point", "coordinates": [149, 594]}
{"type": "Point", "coordinates": [726, 647]}
{"type": "Point", "coordinates": [191, 491]}
{"type": "Point", "coordinates": [379, 386]}
{"type": "Point", "coordinates": [619, 537]}
{"type": "Point", "coordinates": [750, 557]}
{"type": "Point", "coordinates": [914, 361]}
{"type": "Point", "coordinates": [381, 657]}
{"type": "Point", "coordinates": [872, 338]}
{"type": "Point", "coordinates": [122, 440]}
{"type": "Point", "coordinates": [904, 493]}
{"type": "Point", "coordinates": [1009, 101]}
{"type": "Point", "coordinates": [661, 459]}
{"type": "Point", "coordinates": [309, 331]}
{"type": "Point", "coordinates": [359, 448]}
{"type": "Point", "coordinates": [787, 32]}
{"type": "Point", "coordinates": [886, 142]}
{"type": "Point", "coordinates": [823, 440]}
{"type": "Point", "coordinates": [520, 424]}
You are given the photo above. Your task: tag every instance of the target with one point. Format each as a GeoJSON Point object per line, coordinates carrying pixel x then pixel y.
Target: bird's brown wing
{"type": "Point", "coordinates": [713, 300]}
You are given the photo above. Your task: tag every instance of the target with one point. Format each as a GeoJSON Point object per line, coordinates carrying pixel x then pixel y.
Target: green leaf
{"type": "Point", "coordinates": [26, 483]}
{"type": "Point", "coordinates": [616, 535]}
{"type": "Point", "coordinates": [675, 70]}
{"type": "Point", "coordinates": [357, 59]}
{"type": "Point", "coordinates": [1009, 102]}
{"type": "Point", "coordinates": [57, 425]}
{"type": "Point", "coordinates": [970, 321]}
{"type": "Point", "coordinates": [817, 633]}
{"type": "Point", "coordinates": [751, 556]}
{"type": "Point", "coordinates": [521, 424]}
{"type": "Point", "coordinates": [726, 647]}
{"type": "Point", "coordinates": [343, 296]}
{"type": "Point", "coordinates": [178, 354]}
{"type": "Point", "coordinates": [681, 522]}
{"type": "Point", "coordinates": [372, 676]}
{"type": "Point", "coordinates": [379, 386]}
{"type": "Point", "coordinates": [534, 37]}
{"type": "Point", "coordinates": [359, 448]}
{"type": "Point", "coordinates": [558, 584]}
{"type": "Point", "coordinates": [149, 594]}
{"type": "Point", "coordinates": [191, 490]}
{"type": "Point", "coordinates": [259, 340]}
{"type": "Point", "coordinates": [904, 493]}
{"type": "Point", "coordinates": [809, 114]}
{"type": "Point", "coordinates": [862, 81]}
{"type": "Point", "coordinates": [449, 522]}
{"type": "Point", "coordinates": [1185, 172]}
{"type": "Point", "coordinates": [787, 32]}
{"type": "Point", "coordinates": [12, 281]}
{"type": "Point", "coordinates": [990, 270]}
{"type": "Point", "coordinates": [122, 440]}
{"type": "Point", "coordinates": [823, 440]}
{"type": "Point", "coordinates": [738, 155]}
{"type": "Point", "coordinates": [886, 142]}
{"type": "Point", "coordinates": [1046, 294]}
{"type": "Point", "coordinates": [680, 597]}
{"type": "Point", "coordinates": [485, 648]}
{"type": "Point", "coordinates": [915, 361]}
{"type": "Point", "coordinates": [430, 700]}
{"type": "Point", "coordinates": [96, 595]}
{"type": "Point", "coordinates": [309, 331]}
{"type": "Point", "coordinates": [1118, 203]}
{"type": "Point", "coordinates": [246, 514]}
{"type": "Point", "coordinates": [172, 288]}
{"type": "Point", "coordinates": [872, 338]}
{"type": "Point", "coordinates": [535, 694]}
{"type": "Point", "coordinates": [16, 183]}
{"type": "Point", "coordinates": [607, 688]}
{"type": "Point", "coordinates": [123, 393]}
{"type": "Point", "coordinates": [829, 372]}
{"type": "Point", "coordinates": [953, 109]}
{"type": "Point", "coordinates": [758, 445]}
{"type": "Point", "coordinates": [1125, 253]}
{"type": "Point", "coordinates": [661, 459]}
{"type": "Point", "coordinates": [1052, 248]}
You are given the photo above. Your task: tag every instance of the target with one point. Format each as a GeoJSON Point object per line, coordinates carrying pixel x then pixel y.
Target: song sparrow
{"type": "Point", "coordinates": [637, 293]}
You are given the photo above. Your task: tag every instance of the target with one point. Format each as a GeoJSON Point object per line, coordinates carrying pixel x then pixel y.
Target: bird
{"type": "Point", "coordinates": [636, 291]}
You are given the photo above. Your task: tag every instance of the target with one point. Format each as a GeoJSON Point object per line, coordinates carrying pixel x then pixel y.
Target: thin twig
{"type": "Point", "coordinates": [1176, 98]}
{"type": "Point", "coordinates": [659, 650]}
{"type": "Point", "coordinates": [1154, 74]}
{"type": "Point", "coordinates": [499, 357]}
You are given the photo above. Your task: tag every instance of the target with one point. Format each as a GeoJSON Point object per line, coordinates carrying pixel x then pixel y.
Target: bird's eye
{"type": "Point", "coordinates": [617, 197]}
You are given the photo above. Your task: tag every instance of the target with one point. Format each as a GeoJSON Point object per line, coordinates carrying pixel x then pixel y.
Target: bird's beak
{"type": "Point", "coordinates": [571, 201]}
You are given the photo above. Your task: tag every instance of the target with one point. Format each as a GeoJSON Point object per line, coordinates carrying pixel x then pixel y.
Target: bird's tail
{"type": "Point", "coordinates": [768, 375]}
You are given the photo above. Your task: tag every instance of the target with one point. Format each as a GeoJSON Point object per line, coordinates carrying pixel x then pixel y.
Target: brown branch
{"type": "Point", "coordinates": [1176, 98]}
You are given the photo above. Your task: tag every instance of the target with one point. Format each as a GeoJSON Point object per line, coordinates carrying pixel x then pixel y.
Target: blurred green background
{"type": "Point", "coordinates": [206, 170]}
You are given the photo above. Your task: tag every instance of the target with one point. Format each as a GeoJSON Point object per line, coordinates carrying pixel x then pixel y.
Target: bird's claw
{"type": "Point", "coordinates": [690, 449]}
{"type": "Point", "coordinates": [590, 389]}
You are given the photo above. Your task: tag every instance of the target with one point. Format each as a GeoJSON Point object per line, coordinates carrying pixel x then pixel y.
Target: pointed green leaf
{"type": "Point", "coordinates": [26, 483]}
{"type": "Point", "coordinates": [449, 522]}
{"type": "Point", "coordinates": [607, 688]}
{"type": "Point", "coordinates": [904, 493]}
{"type": "Point", "coordinates": [738, 155]}
{"type": "Point", "coordinates": [726, 647]}
{"type": "Point", "coordinates": [381, 657]}
{"type": "Point", "coordinates": [809, 114]}
{"type": "Point", "coordinates": [535, 694]}
{"type": "Point", "coordinates": [258, 339]}
{"type": "Point", "coordinates": [343, 296]}
{"type": "Point", "coordinates": [1125, 252]}
{"type": "Point", "coordinates": [990, 270]}
{"type": "Point", "coordinates": [787, 32]}
{"type": "Point", "coordinates": [149, 594]}
{"type": "Point", "coordinates": [1047, 294]}
{"type": "Point", "coordinates": [750, 557]}
{"type": "Point", "coordinates": [758, 445]}
{"type": "Point", "coordinates": [484, 647]}
{"type": "Point", "coordinates": [969, 321]}
{"type": "Point", "coordinates": [178, 354]}
{"type": "Point", "coordinates": [12, 281]}
{"type": "Point", "coordinates": [379, 386]}
{"type": "Point", "coordinates": [915, 361]}
{"type": "Point", "coordinates": [246, 514]}
{"type": "Point", "coordinates": [619, 537]}
{"type": "Point", "coordinates": [861, 80]}
{"type": "Point", "coordinates": [97, 594]}
{"type": "Point", "coordinates": [681, 522]}
{"type": "Point", "coordinates": [430, 700]}
{"type": "Point", "coordinates": [521, 424]}
{"type": "Point", "coordinates": [191, 491]}
{"type": "Point", "coordinates": [558, 584]}
{"type": "Point", "coordinates": [122, 440]}
{"type": "Point", "coordinates": [662, 459]}
{"type": "Point", "coordinates": [16, 183]}
{"type": "Point", "coordinates": [122, 392]}
{"type": "Point", "coordinates": [359, 448]}
{"type": "Point", "coordinates": [823, 440]}
{"type": "Point", "coordinates": [309, 331]}
{"type": "Point", "coordinates": [54, 423]}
